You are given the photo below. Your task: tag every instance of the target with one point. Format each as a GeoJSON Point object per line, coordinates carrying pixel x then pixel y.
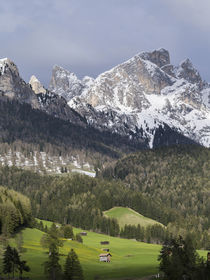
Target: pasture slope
{"type": "Point", "coordinates": [130, 259]}
{"type": "Point", "coordinates": [128, 216]}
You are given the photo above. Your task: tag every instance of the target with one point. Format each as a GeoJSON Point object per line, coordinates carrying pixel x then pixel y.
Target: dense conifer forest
{"type": "Point", "coordinates": [177, 176]}
{"type": "Point", "coordinates": [170, 185]}
{"type": "Point", "coordinates": [30, 129]}
{"type": "Point", "coordinates": [15, 211]}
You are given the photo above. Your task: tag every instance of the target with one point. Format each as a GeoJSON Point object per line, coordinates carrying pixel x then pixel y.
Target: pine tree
{"type": "Point", "coordinates": [52, 267]}
{"type": "Point", "coordinates": [15, 260]}
{"type": "Point", "coordinates": [72, 267]}
{"type": "Point", "coordinates": [7, 261]}
{"type": "Point", "coordinates": [41, 226]}
{"type": "Point", "coordinates": [22, 266]}
{"type": "Point", "coordinates": [53, 231]}
{"type": "Point", "coordinates": [68, 268]}
{"type": "Point", "coordinates": [79, 238]}
{"type": "Point", "coordinates": [179, 260]}
{"type": "Point", "coordinates": [68, 232]}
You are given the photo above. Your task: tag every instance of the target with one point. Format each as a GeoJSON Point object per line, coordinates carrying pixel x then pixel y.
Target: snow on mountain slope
{"type": "Point", "coordinates": [65, 83]}
{"type": "Point", "coordinates": [138, 96]}
{"type": "Point", "coordinates": [3, 62]}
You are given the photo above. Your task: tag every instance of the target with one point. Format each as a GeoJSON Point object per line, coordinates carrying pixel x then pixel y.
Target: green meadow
{"type": "Point", "coordinates": [130, 259]}
{"type": "Point", "coordinates": [128, 216]}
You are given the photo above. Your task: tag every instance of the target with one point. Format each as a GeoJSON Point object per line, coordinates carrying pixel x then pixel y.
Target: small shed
{"type": "Point", "coordinates": [208, 257]}
{"type": "Point", "coordinates": [83, 233]}
{"type": "Point", "coordinates": [105, 257]}
{"type": "Point", "coordinates": [104, 242]}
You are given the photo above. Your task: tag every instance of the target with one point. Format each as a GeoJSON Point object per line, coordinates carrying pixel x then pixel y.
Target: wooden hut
{"type": "Point", "coordinates": [208, 257]}
{"type": "Point", "coordinates": [83, 233]}
{"type": "Point", "coordinates": [104, 242]}
{"type": "Point", "coordinates": [105, 257]}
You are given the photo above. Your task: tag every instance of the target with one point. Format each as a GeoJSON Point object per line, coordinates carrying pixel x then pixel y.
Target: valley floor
{"type": "Point", "coordinates": [130, 259]}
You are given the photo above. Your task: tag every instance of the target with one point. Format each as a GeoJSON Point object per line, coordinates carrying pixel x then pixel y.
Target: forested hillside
{"type": "Point", "coordinates": [22, 125]}
{"type": "Point", "coordinates": [80, 201]}
{"type": "Point", "coordinates": [15, 211]}
{"type": "Point", "coordinates": [178, 177]}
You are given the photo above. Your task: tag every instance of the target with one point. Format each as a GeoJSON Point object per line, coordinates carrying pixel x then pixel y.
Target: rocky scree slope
{"type": "Point", "coordinates": [144, 98]}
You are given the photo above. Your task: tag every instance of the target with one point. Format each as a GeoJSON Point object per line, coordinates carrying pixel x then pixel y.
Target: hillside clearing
{"type": "Point", "coordinates": [130, 259]}
{"type": "Point", "coordinates": [127, 216]}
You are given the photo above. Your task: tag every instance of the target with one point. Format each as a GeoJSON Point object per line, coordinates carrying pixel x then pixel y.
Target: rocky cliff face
{"type": "Point", "coordinates": [145, 98]}
{"type": "Point", "coordinates": [64, 83]}
{"type": "Point", "coordinates": [57, 106]}
{"type": "Point", "coordinates": [145, 93]}
{"type": "Point", "coordinates": [13, 86]}
{"type": "Point", "coordinates": [36, 85]}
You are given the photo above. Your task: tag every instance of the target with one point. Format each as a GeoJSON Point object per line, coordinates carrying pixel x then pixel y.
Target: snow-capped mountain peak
{"type": "Point", "coordinates": [160, 57]}
{"type": "Point", "coordinates": [3, 62]}
{"type": "Point", "coordinates": [187, 71]}
{"type": "Point", "coordinates": [6, 63]}
{"type": "Point", "coordinates": [65, 83]}
{"type": "Point", "coordinates": [143, 93]}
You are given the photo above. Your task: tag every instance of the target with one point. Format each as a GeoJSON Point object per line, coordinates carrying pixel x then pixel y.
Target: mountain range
{"type": "Point", "coordinates": [145, 102]}
{"type": "Point", "coordinates": [141, 95]}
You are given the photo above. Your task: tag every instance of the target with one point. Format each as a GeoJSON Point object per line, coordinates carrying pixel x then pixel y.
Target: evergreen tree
{"type": "Point", "coordinates": [45, 229]}
{"type": "Point", "coordinates": [52, 267]}
{"type": "Point", "coordinates": [72, 267]}
{"type": "Point", "coordinates": [51, 238]}
{"type": "Point", "coordinates": [15, 261]}
{"type": "Point", "coordinates": [41, 226]}
{"type": "Point", "coordinates": [22, 266]}
{"type": "Point", "coordinates": [12, 262]}
{"type": "Point", "coordinates": [68, 232]}
{"type": "Point", "coordinates": [7, 261]}
{"type": "Point", "coordinates": [53, 231]}
{"type": "Point", "coordinates": [79, 238]}
{"type": "Point", "coordinates": [68, 268]}
{"type": "Point", "coordinates": [179, 260]}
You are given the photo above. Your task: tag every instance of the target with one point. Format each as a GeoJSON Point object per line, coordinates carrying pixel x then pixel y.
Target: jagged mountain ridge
{"type": "Point", "coordinates": [56, 105]}
{"type": "Point", "coordinates": [142, 94]}
{"type": "Point", "coordinates": [39, 130]}
{"type": "Point", "coordinates": [35, 121]}
{"type": "Point", "coordinates": [13, 86]}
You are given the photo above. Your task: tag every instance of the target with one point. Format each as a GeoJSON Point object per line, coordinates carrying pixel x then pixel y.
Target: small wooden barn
{"type": "Point", "coordinates": [105, 257]}
{"type": "Point", "coordinates": [83, 233]}
{"type": "Point", "coordinates": [104, 242]}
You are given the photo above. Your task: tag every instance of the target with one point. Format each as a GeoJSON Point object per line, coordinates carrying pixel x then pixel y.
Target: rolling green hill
{"type": "Point", "coordinates": [130, 259]}
{"type": "Point", "coordinates": [127, 216]}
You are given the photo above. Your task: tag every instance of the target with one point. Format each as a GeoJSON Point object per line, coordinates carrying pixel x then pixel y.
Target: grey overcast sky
{"type": "Point", "coordinates": [88, 37]}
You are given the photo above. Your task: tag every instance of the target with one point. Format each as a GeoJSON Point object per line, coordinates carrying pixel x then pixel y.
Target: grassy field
{"type": "Point", "coordinates": [130, 259]}
{"type": "Point", "coordinates": [128, 216]}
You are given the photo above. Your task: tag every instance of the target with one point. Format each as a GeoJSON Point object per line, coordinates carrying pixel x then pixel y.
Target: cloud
{"type": "Point", "coordinates": [192, 12]}
{"type": "Point", "coordinates": [89, 37]}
